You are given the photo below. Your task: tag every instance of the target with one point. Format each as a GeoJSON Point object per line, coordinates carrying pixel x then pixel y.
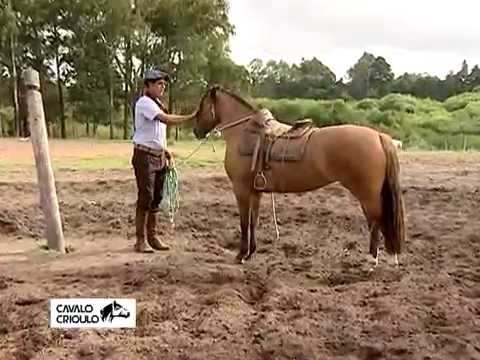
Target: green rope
{"type": "Point", "coordinates": [171, 194]}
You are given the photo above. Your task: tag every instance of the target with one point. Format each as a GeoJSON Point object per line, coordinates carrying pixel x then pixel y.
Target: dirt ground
{"type": "Point", "coordinates": [307, 296]}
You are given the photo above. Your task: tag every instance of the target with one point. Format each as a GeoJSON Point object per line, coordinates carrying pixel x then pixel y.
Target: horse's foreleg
{"type": "Point", "coordinates": [254, 214]}
{"type": "Point", "coordinates": [243, 201]}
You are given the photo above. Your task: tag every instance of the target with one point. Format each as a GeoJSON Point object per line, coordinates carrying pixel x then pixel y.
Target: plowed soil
{"type": "Point", "coordinates": [309, 295]}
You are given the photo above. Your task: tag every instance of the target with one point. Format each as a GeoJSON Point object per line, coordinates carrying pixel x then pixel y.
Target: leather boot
{"type": "Point", "coordinates": [141, 245]}
{"type": "Point", "coordinates": [152, 239]}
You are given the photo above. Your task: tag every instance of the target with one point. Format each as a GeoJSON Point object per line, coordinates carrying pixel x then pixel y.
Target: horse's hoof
{"type": "Point", "coordinates": [240, 258]}
{"type": "Point", "coordinates": [142, 249]}
{"type": "Point", "coordinates": [250, 256]}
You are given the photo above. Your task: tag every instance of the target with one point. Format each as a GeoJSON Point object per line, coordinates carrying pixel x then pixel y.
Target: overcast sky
{"type": "Point", "coordinates": [431, 36]}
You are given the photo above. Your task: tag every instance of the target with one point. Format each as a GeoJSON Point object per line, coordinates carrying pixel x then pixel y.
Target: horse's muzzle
{"type": "Point", "coordinates": [199, 133]}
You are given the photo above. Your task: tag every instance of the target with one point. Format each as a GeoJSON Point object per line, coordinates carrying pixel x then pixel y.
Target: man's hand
{"type": "Point", "coordinates": [169, 156]}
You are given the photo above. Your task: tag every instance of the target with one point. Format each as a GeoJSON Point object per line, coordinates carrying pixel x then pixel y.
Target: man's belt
{"type": "Point", "coordinates": [148, 150]}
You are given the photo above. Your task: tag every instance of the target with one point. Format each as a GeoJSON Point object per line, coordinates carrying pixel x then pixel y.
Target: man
{"type": "Point", "coordinates": [150, 156]}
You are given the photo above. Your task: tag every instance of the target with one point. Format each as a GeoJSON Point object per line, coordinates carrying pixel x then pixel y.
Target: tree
{"type": "Point", "coordinates": [370, 77]}
{"type": "Point", "coordinates": [315, 80]}
{"type": "Point", "coordinates": [463, 73]}
{"type": "Point", "coordinates": [360, 76]}
{"type": "Point", "coordinates": [473, 79]}
{"type": "Point", "coordinates": [177, 26]}
{"type": "Point", "coordinates": [9, 16]}
{"type": "Point", "coordinates": [380, 77]}
{"type": "Point", "coordinates": [258, 75]}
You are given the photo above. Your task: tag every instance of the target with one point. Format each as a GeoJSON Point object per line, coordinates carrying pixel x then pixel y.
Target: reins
{"type": "Point", "coordinates": [232, 124]}
{"type": "Point", "coordinates": [216, 130]}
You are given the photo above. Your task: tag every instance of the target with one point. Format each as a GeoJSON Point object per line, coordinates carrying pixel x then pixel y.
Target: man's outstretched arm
{"type": "Point", "coordinates": [172, 119]}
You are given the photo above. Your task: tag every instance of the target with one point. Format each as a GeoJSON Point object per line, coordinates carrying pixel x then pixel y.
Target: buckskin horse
{"type": "Point", "coordinates": [264, 155]}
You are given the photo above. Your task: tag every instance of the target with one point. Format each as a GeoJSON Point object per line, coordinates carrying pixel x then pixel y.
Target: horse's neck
{"type": "Point", "coordinates": [230, 112]}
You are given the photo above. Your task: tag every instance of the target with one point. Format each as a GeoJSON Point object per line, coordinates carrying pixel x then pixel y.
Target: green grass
{"type": "Point", "coordinates": [189, 154]}
{"type": "Point", "coordinates": [15, 169]}
{"type": "Point", "coordinates": [202, 157]}
{"type": "Point", "coordinates": [92, 163]}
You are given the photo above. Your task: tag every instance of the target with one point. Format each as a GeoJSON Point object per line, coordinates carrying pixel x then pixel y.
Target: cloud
{"type": "Point", "coordinates": [414, 35]}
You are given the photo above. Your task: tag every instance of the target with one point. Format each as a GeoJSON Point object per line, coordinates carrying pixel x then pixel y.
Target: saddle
{"type": "Point", "coordinates": [267, 140]}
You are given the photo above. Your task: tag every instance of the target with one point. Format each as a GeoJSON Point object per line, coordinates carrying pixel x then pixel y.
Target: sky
{"type": "Point", "coordinates": [421, 36]}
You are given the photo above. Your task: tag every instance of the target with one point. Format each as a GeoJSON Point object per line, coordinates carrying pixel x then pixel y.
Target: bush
{"type": "Point", "coordinates": [367, 104]}
{"type": "Point", "coordinates": [398, 102]}
{"type": "Point", "coordinates": [420, 123]}
{"type": "Point", "coordinates": [459, 102]}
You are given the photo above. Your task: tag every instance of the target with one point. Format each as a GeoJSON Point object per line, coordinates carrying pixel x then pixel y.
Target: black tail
{"type": "Point", "coordinates": [393, 210]}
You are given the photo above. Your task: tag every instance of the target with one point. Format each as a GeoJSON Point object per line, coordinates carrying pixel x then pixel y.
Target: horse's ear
{"type": "Point", "coordinates": [213, 91]}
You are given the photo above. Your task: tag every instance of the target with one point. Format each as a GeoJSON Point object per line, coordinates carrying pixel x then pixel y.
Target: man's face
{"type": "Point", "coordinates": [157, 88]}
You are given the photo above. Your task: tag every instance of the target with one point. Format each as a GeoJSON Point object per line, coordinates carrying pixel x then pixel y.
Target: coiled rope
{"type": "Point", "coordinates": [171, 185]}
{"type": "Point", "coordinates": [171, 193]}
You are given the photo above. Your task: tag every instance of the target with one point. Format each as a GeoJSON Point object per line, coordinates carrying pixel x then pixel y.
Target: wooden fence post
{"type": "Point", "coordinates": [46, 181]}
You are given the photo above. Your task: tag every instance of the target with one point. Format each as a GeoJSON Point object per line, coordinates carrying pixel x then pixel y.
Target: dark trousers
{"type": "Point", "coordinates": [150, 175]}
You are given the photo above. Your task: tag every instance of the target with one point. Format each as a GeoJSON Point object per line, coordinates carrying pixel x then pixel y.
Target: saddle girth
{"type": "Point", "coordinates": [267, 140]}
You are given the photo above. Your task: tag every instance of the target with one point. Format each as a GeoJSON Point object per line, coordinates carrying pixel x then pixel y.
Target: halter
{"type": "Point", "coordinates": [217, 130]}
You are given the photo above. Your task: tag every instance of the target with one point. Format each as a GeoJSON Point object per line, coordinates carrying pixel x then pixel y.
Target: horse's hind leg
{"type": "Point", "coordinates": [374, 240]}
{"type": "Point", "coordinates": [243, 201]}
{"type": "Point", "coordinates": [372, 214]}
{"type": "Point", "coordinates": [254, 213]}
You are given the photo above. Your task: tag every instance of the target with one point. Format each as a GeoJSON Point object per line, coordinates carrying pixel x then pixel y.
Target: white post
{"type": "Point", "coordinates": [46, 181]}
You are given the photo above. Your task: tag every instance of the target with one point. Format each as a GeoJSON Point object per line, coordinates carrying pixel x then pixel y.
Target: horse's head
{"type": "Point", "coordinates": [206, 117]}
{"type": "Point", "coordinates": [119, 311]}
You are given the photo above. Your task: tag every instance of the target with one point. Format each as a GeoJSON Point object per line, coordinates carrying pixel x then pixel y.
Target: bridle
{"type": "Point", "coordinates": [217, 130]}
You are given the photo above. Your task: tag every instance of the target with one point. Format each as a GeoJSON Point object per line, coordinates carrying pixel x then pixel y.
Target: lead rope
{"type": "Point", "coordinates": [275, 216]}
{"type": "Point", "coordinates": [171, 185]}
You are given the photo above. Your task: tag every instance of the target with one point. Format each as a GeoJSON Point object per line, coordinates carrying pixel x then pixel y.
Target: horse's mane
{"type": "Point", "coordinates": [236, 97]}
{"type": "Point", "coordinates": [213, 89]}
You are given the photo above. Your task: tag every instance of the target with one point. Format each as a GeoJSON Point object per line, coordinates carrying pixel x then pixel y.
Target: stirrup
{"type": "Point", "coordinates": [264, 179]}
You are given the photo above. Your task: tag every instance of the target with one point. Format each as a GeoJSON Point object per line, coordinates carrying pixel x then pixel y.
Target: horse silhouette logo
{"type": "Point", "coordinates": [114, 310]}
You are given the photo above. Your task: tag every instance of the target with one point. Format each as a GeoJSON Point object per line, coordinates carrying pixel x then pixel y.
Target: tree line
{"type": "Point", "coordinates": [90, 55]}
{"type": "Point", "coordinates": [370, 77]}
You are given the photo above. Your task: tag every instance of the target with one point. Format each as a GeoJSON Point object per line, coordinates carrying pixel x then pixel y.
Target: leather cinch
{"type": "Point", "coordinates": [267, 140]}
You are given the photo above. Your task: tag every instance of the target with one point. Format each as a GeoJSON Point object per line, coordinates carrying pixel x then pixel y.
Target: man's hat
{"type": "Point", "coordinates": [156, 75]}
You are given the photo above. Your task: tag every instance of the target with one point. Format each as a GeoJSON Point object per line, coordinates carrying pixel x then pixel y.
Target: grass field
{"type": "Point", "coordinates": [88, 154]}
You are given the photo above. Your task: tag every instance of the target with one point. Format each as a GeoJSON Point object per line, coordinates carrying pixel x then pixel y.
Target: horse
{"type": "Point", "coordinates": [113, 310]}
{"type": "Point", "coordinates": [363, 160]}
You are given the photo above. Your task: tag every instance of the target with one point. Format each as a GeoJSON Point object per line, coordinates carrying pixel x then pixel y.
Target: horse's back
{"type": "Point", "coordinates": [350, 154]}
{"type": "Point", "coordinates": [355, 137]}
